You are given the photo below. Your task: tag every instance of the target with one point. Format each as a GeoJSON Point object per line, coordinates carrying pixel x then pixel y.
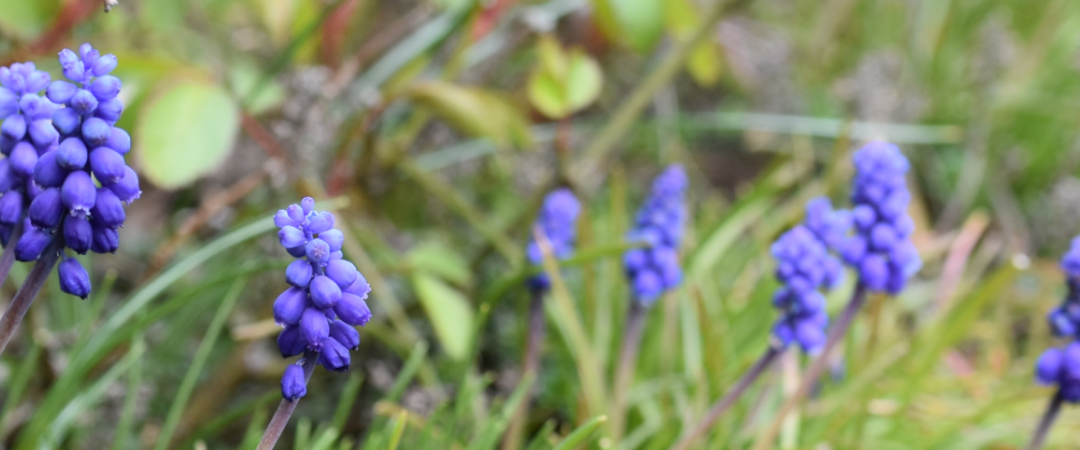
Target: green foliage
{"type": "Point", "coordinates": [185, 132]}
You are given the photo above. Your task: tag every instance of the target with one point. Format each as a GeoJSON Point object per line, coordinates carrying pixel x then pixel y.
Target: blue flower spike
{"type": "Point", "coordinates": [64, 167]}
{"type": "Point", "coordinates": [557, 220]}
{"type": "Point", "coordinates": [655, 268]}
{"type": "Point", "coordinates": [326, 300]}
{"type": "Point", "coordinates": [881, 250]}
{"type": "Point", "coordinates": [804, 267]}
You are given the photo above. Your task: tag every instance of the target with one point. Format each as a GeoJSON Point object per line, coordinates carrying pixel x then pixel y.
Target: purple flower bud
{"type": "Point", "coordinates": [291, 237]}
{"type": "Point", "coordinates": [293, 384]}
{"type": "Point", "coordinates": [88, 54]}
{"type": "Point", "coordinates": [314, 328]}
{"type": "Point", "coordinates": [103, 65]}
{"type": "Point", "coordinates": [106, 240]}
{"type": "Point", "coordinates": [46, 209]}
{"type": "Point", "coordinates": [297, 274]}
{"type": "Point", "coordinates": [334, 238]}
{"type": "Point", "coordinates": [320, 221]}
{"type": "Point", "coordinates": [36, 108]}
{"type": "Point", "coordinates": [811, 336]}
{"type": "Point", "coordinates": [345, 334]}
{"type": "Point", "coordinates": [874, 272]}
{"type": "Point", "coordinates": [336, 255]}
{"type": "Point", "coordinates": [343, 273]}
{"type": "Point", "coordinates": [66, 121]}
{"type": "Point", "coordinates": [352, 310]}
{"type": "Point", "coordinates": [119, 141]}
{"type": "Point", "coordinates": [883, 237]}
{"type": "Point", "coordinates": [282, 220]}
{"type": "Point", "coordinates": [295, 212]}
{"type": "Point", "coordinates": [108, 209]}
{"type": "Point", "coordinates": [334, 356]}
{"type": "Point", "coordinates": [324, 292]}
{"type": "Point", "coordinates": [71, 155]}
{"type": "Point", "coordinates": [8, 178]}
{"type": "Point", "coordinates": [106, 87]}
{"type": "Point", "coordinates": [42, 133]}
{"type": "Point", "coordinates": [73, 278]}
{"type": "Point", "coordinates": [307, 204]}
{"type": "Point", "coordinates": [23, 159]}
{"type": "Point", "coordinates": [1048, 368]}
{"type": "Point", "coordinates": [32, 243]}
{"type": "Point", "coordinates": [95, 132]}
{"type": "Point", "coordinates": [289, 341]}
{"type": "Point", "coordinates": [14, 127]}
{"type": "Point", "coordinates": [61, 92]}
{"type": "Point", "coordinates": [317, 251]}
{"type": "Point", "coordinates": [11, 207]}
{"type": "Point", "coordinates": [5, 234]}
{"type": "Point", "coordinates": [108, 166]}
{"type": "Point", "coordinates": [289, 306]}
{"type": "Point", "coordinates": [32, 188]}
{"type": "Point", "coordinates": [647, 285]}
{"type": "Point", "coordinates": [127, 189]}
{"type": "Point", "coordinates": [78, 234]}
{"type": "Point", "coordinates": [9, 103]}
{"type": "Point", "coordinates": [83, 102]}
{"type": "Point", "coordinates": [78, 193]}
{"type": "Point", "coordinates": [360, 287]}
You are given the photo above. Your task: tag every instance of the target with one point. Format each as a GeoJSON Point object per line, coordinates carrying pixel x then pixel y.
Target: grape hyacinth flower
{"type": "Point", "coordinates": [1060, 367]}
{"type": "Point", "coordinates": [319, 312]}
{"type": "Point", "coordinates": [72, 160]}
{"type": "Point", "coordinates": [556, 223]}
{"type": "Point", "coordinates": [659, 224]}
{"type": "Point", "coordinates": [804, 266]}
{"type": "Point", "coordinates": [651, 270]}
{"type": "Point", "coordinates": [882, 250]}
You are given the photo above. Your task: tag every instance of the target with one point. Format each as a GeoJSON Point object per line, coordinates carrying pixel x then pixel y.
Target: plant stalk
{"type": "Point", "coordinates": [530, 367]}
{"type": "Point", "coordinates": [286, 408]}
{"type": "Point", "coordinates": [836, 334]}
{"type": "Point", "coordinates": [730, 397]}
{"type": "Point", "coordinates": [20, 304]}
{"type": "Point", "coordinates": [1046, 422]}
{"type": "Point", "coordinates": [624, 374]}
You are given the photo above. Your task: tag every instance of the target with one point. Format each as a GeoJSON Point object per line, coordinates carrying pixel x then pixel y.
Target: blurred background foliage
{"type": "Point", "coordinates": [434, 127]}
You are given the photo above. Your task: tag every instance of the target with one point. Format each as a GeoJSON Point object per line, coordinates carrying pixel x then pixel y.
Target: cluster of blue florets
{"type": "Point", "coordinates": [659, 224]}
{"type": "Point", "coordinates": [65, 166]}
{"type": "Point", "coordinates": [557, 220]}
{"type": "Point", "coordinates": [881, 250]}
{"type": "Point", "coordinates": [804, 266]}
{"type": "Point", "coordinates": [327, 297]}
{"type": "Point", "coordinates": [1061, 366]}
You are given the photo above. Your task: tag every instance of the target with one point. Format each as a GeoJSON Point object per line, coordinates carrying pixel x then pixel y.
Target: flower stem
{"type": "Point", "coordinates": [286, 408]}
{"type": "Point", "coordinates": [7, 259]}
{"type": "Point", "coordinates": [25, 296]}
{"type": "Point", "coordinates": [836, 334]}
{"type": "Point", "coordinates": [1046, 422]}
{"type": "Point", "coordinates": [530, 366]}
{"type": "Point", "coordinates": [730, 397]}
{"type": "Point", "coordinates": [624, 373]}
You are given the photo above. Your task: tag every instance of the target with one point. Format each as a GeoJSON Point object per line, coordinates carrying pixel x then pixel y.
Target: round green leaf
{"type": "Point", "coordinates": [186, 132]}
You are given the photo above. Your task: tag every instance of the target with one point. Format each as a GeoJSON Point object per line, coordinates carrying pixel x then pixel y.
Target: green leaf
{"type": "Point", "coordinates": [439, 260]}
{"type": "Point", "coordinates": [186, 132]}
{"type": "Point", "coordinates": [475, 111]}
{"type": "Point", "coordinates": [582, 433]}
{"type": "Point", "coordinates": [449, 312]}
{"type": "Point", "coordinates": [641, 22]}
{"type": "Point", "coordinates": [545, 93]}
{"type": "Point", "coordinates": [583, 81]}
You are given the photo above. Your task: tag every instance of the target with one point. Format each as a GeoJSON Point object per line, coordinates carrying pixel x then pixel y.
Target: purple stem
{"type": "Point", "coordinates": [1046, 422]}
{"type": "Point", "coordinates": [25, 296]}
{"type": "Point", "coordinates": [730, 397]}
{"type": "Point", "coordinates": [531, 365]}
{"type": "Point", "coordinates": [286, 408]}
{"type": "Point", "coordinates": [624, 374]}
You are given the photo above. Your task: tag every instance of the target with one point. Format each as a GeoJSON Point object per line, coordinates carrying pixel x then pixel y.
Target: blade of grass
{"type": "Point", "coordinates": [197, 363]}
{"type": "Point", "coordinates": [399, 423]}
{"type": "Point", "coordinates": [348, 399]}
{"type": "Point", "coordinates": [582, 433]}
{"type": "Point", "coordinates": [127, 416]}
